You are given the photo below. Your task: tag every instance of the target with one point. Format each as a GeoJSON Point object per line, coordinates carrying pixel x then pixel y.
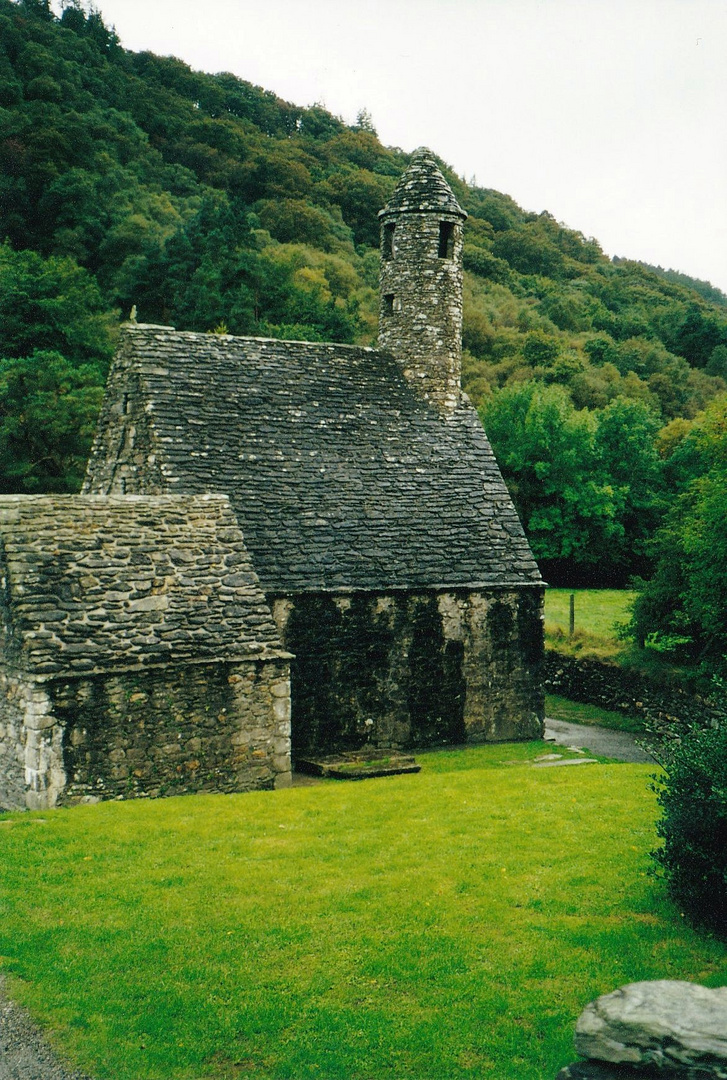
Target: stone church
{"type": "Point", "coordinates": [333, 509]}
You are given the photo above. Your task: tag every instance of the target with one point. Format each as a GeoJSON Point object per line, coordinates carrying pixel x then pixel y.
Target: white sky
{"type": "Point", "coordinates": [611, 114]}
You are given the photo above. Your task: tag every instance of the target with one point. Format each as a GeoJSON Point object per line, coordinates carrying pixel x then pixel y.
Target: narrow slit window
{"type": "Point", "coordinates": [388, 303]}
{"type": "Point", "coordinates": [446, 239]}
{"type": "Point", "coordinates": [389, 241]}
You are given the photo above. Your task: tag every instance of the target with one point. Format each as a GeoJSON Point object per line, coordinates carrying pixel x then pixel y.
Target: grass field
{"type": "Point", "coordinates": [597, 615]}
{"type": "Point", "coordinates": [450, 924]}
{"type": "Point", "coordinates": [576, 712]}
{"type": "Point", "coordinates": [597, 611]}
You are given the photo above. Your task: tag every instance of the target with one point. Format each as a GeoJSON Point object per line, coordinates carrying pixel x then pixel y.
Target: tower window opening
{"type": "Point", "coordinates": [388, 303]}
{"type": "Point", "coordinates": [388, 241]}
{"type": "Point", "coordinates": [446, 240]}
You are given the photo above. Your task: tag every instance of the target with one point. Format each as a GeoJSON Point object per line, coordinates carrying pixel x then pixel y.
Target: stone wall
{"type": "Point", "coordinates": [12, 773]}
{"type": "Point", "coordinates": [221, 727]}
{"type": "Point", "coordinates": [125, 456]}
{"type": "Point", "coordinates": [31, 757]}
{"type": "Point", "coordinates": [14, 698]}
{"type": "Point", "coordinates": [137, 652]}
{"type": "Point", "coordinates": [627, 692]}
{"type": "Point", "coordinates": [420, 319]}
{"type": "Point", "coordinates": [413, 668]}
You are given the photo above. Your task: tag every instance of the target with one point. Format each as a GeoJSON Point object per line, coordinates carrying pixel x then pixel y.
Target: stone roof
{"type": "Point", "coordinates": [340, 474]}
{"type": "Point", "coordinates": [95, 583]}
{"type": "Point", "coordinates": [422, 189]}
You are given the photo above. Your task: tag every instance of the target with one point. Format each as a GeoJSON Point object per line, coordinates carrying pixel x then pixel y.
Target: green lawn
{"type": "Point", "coordinates": [577, 712]}
{"type": "Point", "coordinates": [597, 614]}
{"type": "Point", "coordinates": [448, 924]}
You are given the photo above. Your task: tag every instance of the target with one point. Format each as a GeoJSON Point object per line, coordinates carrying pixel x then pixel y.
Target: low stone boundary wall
{"type": "Point", "coordinates": [624, 691]}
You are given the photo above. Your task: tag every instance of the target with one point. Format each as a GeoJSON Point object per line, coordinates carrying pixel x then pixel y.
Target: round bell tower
{"type": "Point", "coordinates": [420, 307]}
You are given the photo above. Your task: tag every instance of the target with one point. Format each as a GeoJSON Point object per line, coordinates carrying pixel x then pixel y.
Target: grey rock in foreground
{"type": "Point", "coordinates": [596, 1070]}
{"type": "Point", "coordinates": [601, 1070]}
{"type": "Point", "coordinates": [655, 1028]}
{"type": "Point", "coordinates": [24, 1054]}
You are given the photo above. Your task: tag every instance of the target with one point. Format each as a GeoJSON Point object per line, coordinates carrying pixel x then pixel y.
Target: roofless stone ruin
{"type": "Point", "coordinates": [282, 549]}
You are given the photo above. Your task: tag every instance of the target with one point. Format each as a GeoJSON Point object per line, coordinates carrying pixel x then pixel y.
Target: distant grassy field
{"type": "Point", "coordinates": [597, 614]}
{"type": "Point", "coordinates": [597, 610]}
{"type": "Point", "coordinates": [449, 924]}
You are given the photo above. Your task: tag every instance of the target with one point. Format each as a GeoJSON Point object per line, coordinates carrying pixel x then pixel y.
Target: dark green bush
{"type": "Point", "coordinates": [692, 793]}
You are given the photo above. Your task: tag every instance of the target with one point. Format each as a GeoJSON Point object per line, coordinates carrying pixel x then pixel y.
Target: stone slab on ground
{"type": "Point", "coordinates": [360, 765]}
{"type": "Point", "coordinates": [565, 761]}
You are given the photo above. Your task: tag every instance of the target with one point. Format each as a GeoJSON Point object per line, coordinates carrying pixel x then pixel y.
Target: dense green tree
{"type": "Point", "coordinates": [51, 304]}
{"type": "Point", "coordinates": [547, 452]}
{"type": "Point", "coordinates": [694, 333]}
{"type": "Point", "coordinates": [296, 221]}
{"type": "Point", "coordinates": [529, 251]}
{"type": "Point", "coordinates": [626, 449]}
{"type": "Point", "coordinates": [683, 609]}
{"type": "Point", "coordinates": [587, 485]}
{"type": "Point", "coordinates": [131, 179]}
{"type": "Point", "coordinates": [48, 411]}
{"type": "Point", "coordinates": [360, 194]}
{"type": "Point", "coordinates": [55, 347]}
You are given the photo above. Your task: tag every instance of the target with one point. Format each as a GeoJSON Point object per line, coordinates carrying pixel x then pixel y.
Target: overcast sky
{"type": "Point", "coordinates": [610, 114]}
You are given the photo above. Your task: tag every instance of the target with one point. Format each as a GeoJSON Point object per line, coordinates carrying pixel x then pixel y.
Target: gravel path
{"type": "Point", "coordinates": [620, 745]}
{"type": "Point", "coordinates": [24, 1053]}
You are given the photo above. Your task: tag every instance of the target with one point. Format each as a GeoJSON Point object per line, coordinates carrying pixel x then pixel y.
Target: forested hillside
{"type": "Point", "coordinates": [210, 204]}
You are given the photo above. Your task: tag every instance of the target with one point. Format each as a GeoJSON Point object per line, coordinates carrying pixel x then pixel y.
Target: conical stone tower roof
{"type": "Point", "coordinates": [422, 189]}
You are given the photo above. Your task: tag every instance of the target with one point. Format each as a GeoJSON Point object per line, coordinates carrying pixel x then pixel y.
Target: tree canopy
{"type": "Point", "coordinates": [208, 202]}
{"type": "Point", "coordinates": [587, 483]}
{"type": "Point", "coordinates": [681, 610]}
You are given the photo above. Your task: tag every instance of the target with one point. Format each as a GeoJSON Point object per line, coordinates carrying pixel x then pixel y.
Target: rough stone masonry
{"type": "Point", "coordinates": [138, 653]}
{"type": "Point", "coordinates": [384, 538]}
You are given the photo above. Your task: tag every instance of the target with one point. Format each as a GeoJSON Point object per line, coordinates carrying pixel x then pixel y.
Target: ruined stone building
{"type": "Point", "coordinates": [370, 520]}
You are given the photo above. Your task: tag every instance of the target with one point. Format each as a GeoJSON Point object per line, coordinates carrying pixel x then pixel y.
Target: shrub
{"type": "Point", "coordinates": [692, 793]}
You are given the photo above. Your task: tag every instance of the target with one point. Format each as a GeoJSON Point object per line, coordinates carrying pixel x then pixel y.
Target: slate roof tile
{"type": "Point", "coordinates": [422, 188]}
{"type": "Point", "coordinates": [340, 474]}
{"type": "Point", "coordinates": [71, 594]}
